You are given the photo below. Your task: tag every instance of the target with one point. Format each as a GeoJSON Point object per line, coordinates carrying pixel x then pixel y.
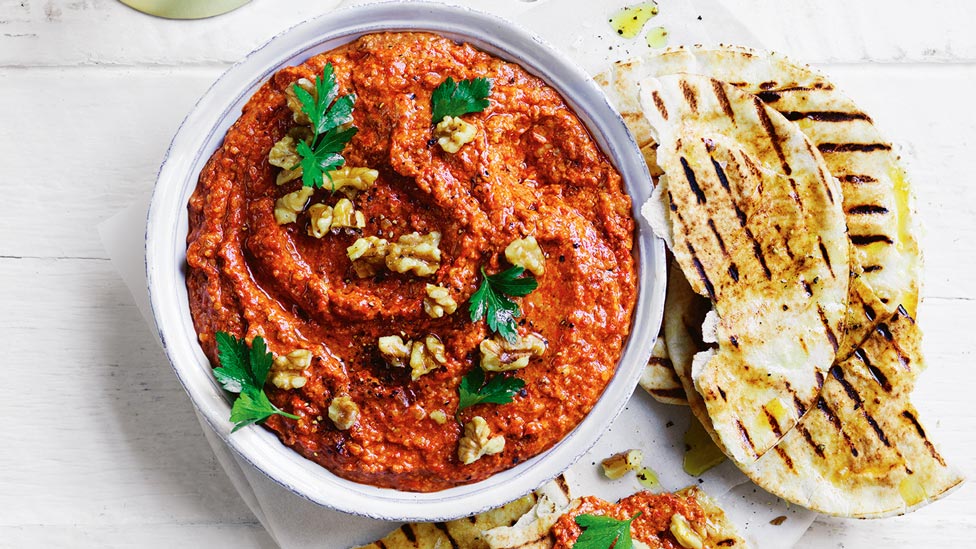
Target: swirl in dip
{"type": "Point", "coordinates": [531, 170]}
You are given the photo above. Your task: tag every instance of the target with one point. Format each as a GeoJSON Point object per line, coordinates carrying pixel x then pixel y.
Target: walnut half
{"type": "Point", "coordinates": [526, 253]}
{"type": "Point", "coordinates": [343, 412]}
{"type": "Point", "coordinates": [286, 371]}
{"type": "Point", "coordinates": [415, 253]}
{"type": "Point", "coordinates": [368, 256]}
{"type": "Point", "coordinates": [288, 207]}
{"type": "Point", "coordinates": [422, 356]}
{"type": "Point", "coordinates": [351, 180]}
{"type": "Point", "coordinates": [498, 355]}
{"type": "Point", "coordinates": [327, 218]}
{"type": "Point", "coordinates": [452, 133]}
{"type": "Point", "coordinates": [438, 301]}
{"type": "Point", "coordinates": [426, 356]}
{"type": "Point", "coordinates": [477, 441]}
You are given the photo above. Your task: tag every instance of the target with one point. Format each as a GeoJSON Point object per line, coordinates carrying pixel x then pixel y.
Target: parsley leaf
{"type": "Point", "coordinates": [331, 119]}
{"type": "Point", "coordinates": [244, 371]}
{"type": "Point", "coordinates": [603, 532]}
{"type": "Point", "coordinates": [455, 99]}
{"type": "Point", "coordinates": [491, 302]}
{"type": "Point", "coordinates": [500, 390]}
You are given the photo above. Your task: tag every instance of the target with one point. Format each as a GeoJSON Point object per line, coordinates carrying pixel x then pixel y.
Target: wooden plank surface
{"type": "Point", "coordinates": [101, 446]}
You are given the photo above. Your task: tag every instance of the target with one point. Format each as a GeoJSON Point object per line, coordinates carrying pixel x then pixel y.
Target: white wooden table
{"type": "Point", "coordinates": [100, 447]}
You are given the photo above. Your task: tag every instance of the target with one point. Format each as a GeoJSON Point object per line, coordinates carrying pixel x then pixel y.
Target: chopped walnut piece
{"type": "Point", "coordinates": [426, 356]}
{"type": "Point", "coordinates": [294, 104]}
{"type": "Point", "coordinates": [498, 355]}
{"type": "Point", "coordinates": [452, 133]}
{"type": "Point", "coordinates": [415, 253]}
{"type": "Point", "coordinates": [343, 412]}
{"type": "Point", "coordinates": [288, 207]}
{"type": "Point", "coordinates": [438, 301]}
{"type": "Point", "coordinates": [351, 180]}
{"type": "Point", "coordinates": [526, 253]}
{"type": "Point", "coordinates": [681, 529]}
{"type": "Point", "coordinates": [286, 371]}
{"type": "Point", "coordinates": [368, 256]}
{"type": "Point", "coordinates": [619, 464]}
{"type": "Point", "coordinates": [394, 350]}
{"type": "Point", "coordinates": [439, 417]}
{"type": "Point", "coordinates": [477, 441]}
{"type": "Point", "coordinates": [327, 218]}
{"type": "Point", "coordinates": [284, 154]}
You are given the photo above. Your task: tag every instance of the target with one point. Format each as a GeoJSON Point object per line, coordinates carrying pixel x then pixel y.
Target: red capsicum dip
{"type": "Point", "coordinates": [362, 293]}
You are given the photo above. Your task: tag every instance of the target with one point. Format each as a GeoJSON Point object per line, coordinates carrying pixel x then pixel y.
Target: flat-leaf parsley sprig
{"type": "Point", "coordinates": [492, 302]}
{"type": "Point", "coordinates": [244, 371]}
{"type": "Point", "coordinates": [500, 390]}
{"type": "Point", "coordinates": [601, 532]}
{"type": "Point", "coordinates": [457, 98]}
{"type": "Point", "coordinates": [331, 127]}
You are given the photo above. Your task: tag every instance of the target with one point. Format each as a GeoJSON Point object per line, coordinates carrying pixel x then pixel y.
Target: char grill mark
{"type": "Point", "coordinates": [821, 172]}
{"type": "Point", "coordinates": [876, 372]}
{"type": "Point", "coordinates": [867, 209]}
{"type": "Point", "coordinates": [852, 393]}
{"type": "Point", "coordinates": [825, 116]}
{"type": "Point", "coordinates": [701, 271]}
{"type": "Point", "coordinates": [872, 268]}
{"type": "Point", "coordinates": [856, 179]}
{"type": "Point", "coordinates": [771, 132]}
{"type": "Point", "coordinates": [757, 251]}
{"type": "Point", "coordinates": [671, 205]}
{"type": "Point", "coordinates": [835, 421]}
{"type": "Point", "coordinates": [864, 240]}
{"type": "Point", "coordinates": [734, 272]}
{"type": "Point", "coordinates": [785, 457]}
{"type": "Point", "coordinates": [723, 99]}
{"type": "Point", "coordinates": [853, 147]}
{"type": "Point", "coordinates": [718, 237]}
{"type": "Point", "coordinates": [819, 449]}
{"type": "Point", "coordinates": [877, 428]}
{"type": "Point", "coordinates": [869, 312]}
{"type": "Point", "coordinates": [720, 172]}
{"type": "Point", "coordinates": [408, 532]}
{"type": "Point", "coordinates": [659, 103]}
{"type": "Point", "coordinates": [795, 195]}
{"type": "Point", "coordinates": [693, 181]}
{"type": "Point", "coordinates": [921, 433]}
{"type": "Point", "coordinates": [721, 393]}
{"type": "Point", "coordinates": [443, 528]}
{"type": "Point", "coordinates": [690, 96]}
{"type": "Point", "coordinates": [826, 257]}
{"type": "Point", "coordinates": [745, 434]}
{"type": "Point", "coordinates": [827, 330]}
{"type": "Point", "coordinates": [807, 288]}
{"type": "Point", "coordinates": [777, 430]}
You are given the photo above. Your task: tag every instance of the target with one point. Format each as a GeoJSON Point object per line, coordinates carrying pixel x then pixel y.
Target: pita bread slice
{"type": "Point", "coordinates": [877, 198]}
{"type": "Point", "coordinates": [700, 521]}
{"type": "Point", "coordinates": [469, 532]}
{"type": "Point", "coordinates": [757, 226]}
{"type": "Point", "coordinates": [531, 531]}
{"type": "Point", "coordinates": [659, 378]}
{"type": "Point", "coordinates": [862, 451]}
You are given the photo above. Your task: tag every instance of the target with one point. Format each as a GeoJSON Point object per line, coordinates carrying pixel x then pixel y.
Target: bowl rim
{"type": "Point", "coordinates": [202, 130]}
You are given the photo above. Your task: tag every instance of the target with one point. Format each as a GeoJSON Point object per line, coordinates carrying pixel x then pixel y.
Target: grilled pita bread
{"type": "Point", "coordinates": [659, 378]}
{"type": "Point", "coordinates": [468, 533]}
{"type": "Point", "coordinates": [712, 528]}
{"type": "Point", "coordinates": [757, 226]}
{"type": "Point", "coordinates": [862, 451]}
{"type": "Point", "coordinates": [877, 199]}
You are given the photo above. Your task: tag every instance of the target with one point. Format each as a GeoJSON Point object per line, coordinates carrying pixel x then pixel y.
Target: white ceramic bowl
{"type": "Point", "coordinates": [201, 133]}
